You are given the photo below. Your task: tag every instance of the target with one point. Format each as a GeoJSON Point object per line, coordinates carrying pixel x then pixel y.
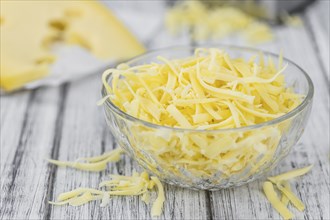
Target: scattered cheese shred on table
{"type": "Point", "coordinates": [157, 207]}
{"type": "Point", "coordinates": [292, 198]}
{"type": "Point", "coordinates": [135, 185]}
{"type": "Point", "coordinates": [275, 201]}
{"type": "Point", "coordinates": [207, 91]}
{"type": "Point", "coordinates": [219, 21]}
{"type": "Point", "coordinates": [283, 186]}
{"type": "Point", "coordinates": [291, 174]}
{"type": "Point", "coordinates": [96, 164]}
{"type": "Point", "coordinates": [284, 198]}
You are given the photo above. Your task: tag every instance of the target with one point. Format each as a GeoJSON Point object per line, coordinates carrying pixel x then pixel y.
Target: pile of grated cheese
{"type": "Point", "coordinates": [207, 91]}
{"type": "Point", "coordinates": [203, 91]}
{"type": "Point", "coordinates": [204, 23]}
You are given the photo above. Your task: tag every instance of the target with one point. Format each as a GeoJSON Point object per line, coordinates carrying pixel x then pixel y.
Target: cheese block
{"type": "Point", "coordinates": [29, 29]}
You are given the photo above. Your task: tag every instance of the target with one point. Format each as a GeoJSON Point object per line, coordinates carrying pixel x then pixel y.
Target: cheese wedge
{"type": "Point", "coordinates": [29, 29]}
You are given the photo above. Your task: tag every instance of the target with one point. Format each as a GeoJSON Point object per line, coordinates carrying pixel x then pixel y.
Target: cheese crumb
{"type": "Point", "coordinates": [274, 200]}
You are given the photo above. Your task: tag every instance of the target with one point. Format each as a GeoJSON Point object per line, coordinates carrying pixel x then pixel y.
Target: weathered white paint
{"type": "Point", "coordinates": [65, 123]}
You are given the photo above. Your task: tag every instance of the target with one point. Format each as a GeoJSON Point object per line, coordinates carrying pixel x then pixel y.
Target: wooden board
{"type": "Point", "coordinates": [65, 123]}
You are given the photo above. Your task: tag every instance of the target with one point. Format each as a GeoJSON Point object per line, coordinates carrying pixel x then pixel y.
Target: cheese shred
{"type": "Point", "coordinates": [135, 185]}
{"type": "Point", "coordinates": [157, 207]}
{"type": "Point", "coordinates": [290, 175]}
{"type": "Point", "coordinates": [95, 164]}
{"type": "Point", "coordinates": [283, 186]}
{"type": "Point", "coordinates": [275, 201]}
{"type": "Point", "coordinates": [285, 200]}
{"type": "Point", "coordinates": [216, 22]}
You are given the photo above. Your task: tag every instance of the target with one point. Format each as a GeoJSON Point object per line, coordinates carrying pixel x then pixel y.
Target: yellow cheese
{"type": "Point", "coordinates": [291, 174]}
{"type": "Point", "coordinates": [135, 185]}
{"type": "Point", "coordinates": [178, 116]}
{"type": "Point", "coordinates": [197, 88]}
{"type": "Point", "coordinates": [258, 33]}
{"type": "Point", "coordinates": [291, 20]}
{"type": "Point", "coordinates": [146, 197]}
{"type": "Point", "coordinates": [207, 91]}
{"type": "Point", "coordinates": [275, 201]}
{"type": "Point", "coordinates": [292, 198]}
{"type": "Point", "coordinates": [30, 28]}
{"type": "Point", "coordinates": [157, 207]}
{"type": "Point", "coordinates": [285, 200]}
{"type": "Point", "coordinates": [95, 164]}
{"type": "Point", "coordinates": [215, 22]}
{"type": "Point", "coordinates": [282, 184]}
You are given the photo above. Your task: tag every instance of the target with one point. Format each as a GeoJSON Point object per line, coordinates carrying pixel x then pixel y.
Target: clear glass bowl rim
{"type": "Point", "coordinates": [308, 98]}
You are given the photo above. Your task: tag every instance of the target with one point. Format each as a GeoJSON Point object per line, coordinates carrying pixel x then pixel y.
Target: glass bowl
{"type": "Point", "coordinates": [165, 151]}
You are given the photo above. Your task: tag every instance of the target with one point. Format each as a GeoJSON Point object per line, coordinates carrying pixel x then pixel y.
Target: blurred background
{"type": "Point", "coordinates": [47, 43]}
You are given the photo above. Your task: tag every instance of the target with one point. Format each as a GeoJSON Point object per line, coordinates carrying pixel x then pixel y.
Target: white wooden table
{"type": "Point", "coordinates": [64, 123]}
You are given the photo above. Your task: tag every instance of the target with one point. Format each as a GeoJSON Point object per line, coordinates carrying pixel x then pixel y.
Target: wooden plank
{"type": "Point", "coordinates": [317, 21]}
{"type": "Point", "coordinates": [11, 122]}
{"type": "Point", "coordinates": [24, 179]}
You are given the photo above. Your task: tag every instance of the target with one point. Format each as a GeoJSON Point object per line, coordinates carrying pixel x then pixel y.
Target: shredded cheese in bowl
{"type": "Point", "coordinates": [207, 118]}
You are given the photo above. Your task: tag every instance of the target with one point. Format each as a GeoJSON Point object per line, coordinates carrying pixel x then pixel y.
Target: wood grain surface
{"type": "Point", "coordinates": [64, 123]}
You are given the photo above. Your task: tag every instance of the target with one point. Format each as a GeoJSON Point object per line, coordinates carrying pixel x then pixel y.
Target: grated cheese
{"type": "Point", "coordinates": [157, 207]}
{"type": "Point", "coordinates": [290, 175]}
{"type": "Point", "coordinates": [283, 186]}
{"type": "Point", "coordinates": [275, 201]}
{"type": "Point", "coordinates": [291, 20]}
{"type": "Point", "coordinates": [135, 185]}
{"type": "Point", "coordinates": [204, 23]}
{"type": "Point", "coordinates": [294, 200]}
{"type": "Point", "coordinates": [207, 91]}
{"type": "Point", "coordinates": [96, 164]}
{"type": "Point", "coordinates": [285, 200]}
